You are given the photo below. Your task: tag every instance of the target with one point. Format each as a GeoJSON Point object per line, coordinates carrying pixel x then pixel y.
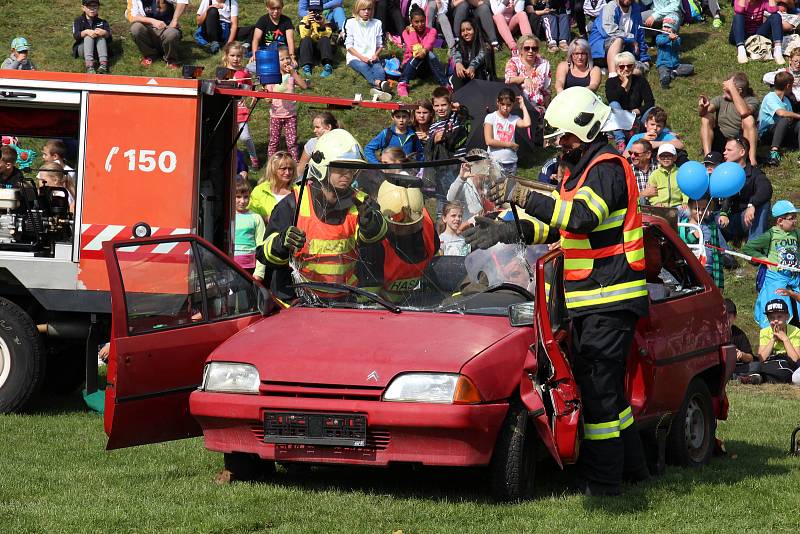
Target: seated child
{"type": "Point", "coordinates": [662, 186]}
{"type": "Point", "coordinates": [250, 229]}
{"type": "Point", "coordinates": [452, 243]}
{"type": "Point", "coordinates": [19, 60]}
{"type": "Point", "coordinates": [10, 175]}
{"type": "Point", "coordinates": [656, 131]}
{"type": "Point", "coordinates": [53, 174]}
{"type": "Point", "coordinates": [364, 42]}
{"type": "Point", "coordinates": [746, 364]}
{"type": "Point", "coordinates": [778, 125]}
{"type": "Point", "coordinates": [779, 345]}
{"type": "Point", "coordinates": [418, 41]}
{"type": "Point", "coordinates": [55, 150]}
{"type": "Point", "coordinates": [397, 135]}
{"type": "Point", "coordinates": [92, 38]}
{"type": "Point", "coordinates": [779, 245]}
{"type": "Point", "coordinates": [668, 60]}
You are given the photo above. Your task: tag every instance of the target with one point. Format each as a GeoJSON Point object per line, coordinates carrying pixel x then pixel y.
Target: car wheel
{"type": "Point", "coordinates": [247, 467]}
{"type": "Point", "coordinates": [513, 465]}
{"type": "Point", "coordinates": [22, 358]}
{"type": "Point", "coordinates": [691, 439]}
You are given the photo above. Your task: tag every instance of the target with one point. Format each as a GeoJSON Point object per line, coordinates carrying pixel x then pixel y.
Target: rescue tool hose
{"type": "Point", "coordinates": [755, 260]}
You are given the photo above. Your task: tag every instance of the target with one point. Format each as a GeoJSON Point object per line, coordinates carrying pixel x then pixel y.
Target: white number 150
{"type": "Point", "coordinates": [146, 160]}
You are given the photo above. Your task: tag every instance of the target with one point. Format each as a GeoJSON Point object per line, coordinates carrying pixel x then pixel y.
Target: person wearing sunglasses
{"type": "Point", "coordinates": [531, 72]}
{"type": "Point", "coordinates": [628, 91]}
{"type": "Point", "coordinates": [619, 28]}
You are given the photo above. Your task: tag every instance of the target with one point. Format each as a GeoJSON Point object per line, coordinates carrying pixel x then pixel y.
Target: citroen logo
{"type": "Point", "coordinates": [373, 376]}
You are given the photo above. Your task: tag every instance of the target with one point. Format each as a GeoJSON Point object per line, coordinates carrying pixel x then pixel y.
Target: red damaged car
{"type": "Point", "coordinates": [472, 371]}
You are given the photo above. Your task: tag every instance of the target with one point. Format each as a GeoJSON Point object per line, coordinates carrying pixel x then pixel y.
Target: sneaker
{"type": "Point", "coordinates": [402, 89]}
{"type": "Point", "coordinates": [146, 61]}
{"type": "Point", "coordinates": [778, 57]}
{"type": "Point", "coordinates": [552, 46]}
{"type": "Point", "coordinates": [382, 96]}
{"type": "Point", "coordinates": [386, 86]}
{"type": "Point", "coordinates": [563, 46]}
{"type": "Point", "coordinates": [255, 163]}
{"type": "Point", "coordinates": [497, 46]}
{"type": "Point", "coordinates": [213, 47]}
{"type": "Point", "coordinates": [752, 379]}
{"type": "Point", "coordinates": [327, 70]}
{"type": "Point", "coordinates": [90, 69]}
{"type": "Point", "coordinates": [741, 56]}
{"type": "Point", "coordinates": [621, 146]}
{"type": "Point", "coordinates": [774, 158]}
{"type": "Point", "coordinates": [716, 23]}
{"type": "Point", "coordinates": [665, 83]}
{"type": "Point", "coordinates": [306, 71]}
{"type": "Point", "coordinates": [102, 69]}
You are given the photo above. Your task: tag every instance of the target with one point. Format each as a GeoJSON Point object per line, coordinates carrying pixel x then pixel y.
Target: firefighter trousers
{"type": "Point", "coordinates": [611, 446]}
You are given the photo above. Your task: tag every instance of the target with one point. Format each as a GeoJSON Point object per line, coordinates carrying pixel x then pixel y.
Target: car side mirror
{"type": "Point", "coordinates": [521, 314]}
{"type": "Point", "coordinates": [265, 303]}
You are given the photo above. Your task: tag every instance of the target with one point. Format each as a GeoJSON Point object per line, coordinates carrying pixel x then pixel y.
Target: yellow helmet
{"type": "Point", "coordinates": [335, 145]}
{"type": "Point", "coordinates": [402, 206]}
{"type": "Point", "coordinates": [579, 111]}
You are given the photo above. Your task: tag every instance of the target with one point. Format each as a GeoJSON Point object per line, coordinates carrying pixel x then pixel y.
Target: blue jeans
{"type": "Point", "coordinates": [337, 16]}
{"type": "Point", "coordinates": [619, 135]}
{"type": "Point", "coordinates": [410, 69]}
{"type": "Point", "coordinates": [770, 28]}
{"type": "Point", "coordinates": [370, 72]}
{"type": "Point", "coordinates": [772, 281]}
{"type": "Point", "coordinates": [556, 27]}
{"type": "Point", "coordinates": [736, 228]}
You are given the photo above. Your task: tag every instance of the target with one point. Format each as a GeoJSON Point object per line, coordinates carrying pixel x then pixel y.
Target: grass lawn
{"type": "Point", "coordinates": [57, 478]}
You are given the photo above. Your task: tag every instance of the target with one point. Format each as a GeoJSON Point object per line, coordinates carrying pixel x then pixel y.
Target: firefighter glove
{"type": "Point", "coordinates": [488, 232]}
{"type": "Point", "coordinates": [288, 241]}
{"type": "Point", "coordinates": [371, 223]}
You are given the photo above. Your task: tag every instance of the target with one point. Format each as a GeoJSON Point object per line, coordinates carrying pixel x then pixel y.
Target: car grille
{"type": "Point", "coordinates": [320, 391]}
{"type": "Point", "coordinates": [377, 438]}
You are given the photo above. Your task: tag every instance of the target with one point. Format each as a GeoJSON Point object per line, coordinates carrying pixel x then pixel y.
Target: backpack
{"type": "Point", "coordinates": [692, 10]}
{"type": "Point", "coordinates": [758, 48]}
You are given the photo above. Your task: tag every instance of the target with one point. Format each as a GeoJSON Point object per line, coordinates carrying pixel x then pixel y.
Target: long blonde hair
{"type": "Point", "coordinates": [271, 171]}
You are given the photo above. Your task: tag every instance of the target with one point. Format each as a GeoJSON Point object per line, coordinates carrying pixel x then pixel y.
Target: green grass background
{"type": "Point", "coordinates": [55, 476]}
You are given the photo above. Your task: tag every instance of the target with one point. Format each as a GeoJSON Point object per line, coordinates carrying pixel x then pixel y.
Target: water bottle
{"type": "Point", "coordinates": [268, 66]}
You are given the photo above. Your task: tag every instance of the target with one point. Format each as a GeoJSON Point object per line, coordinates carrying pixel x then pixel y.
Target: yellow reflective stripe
{"type": "Point", "coordinates": [540, 231]}
{"type": "Point", "coordinates": [578, 263]}
{"type": "Point", "coordinates": [275, 260]}
{"type": "Point", "coordinates": [327, 268]}
{"type": "Point", "coordinates": [305, 204]}
{"type": "Point", "coordinates": [633, 235]}
{"type": "Point", "coordinates": [625, 418]}
{"type": "Point", "coordinates": [634, 255]}
{"type": "Point", "coordinates": [582, 244]}
{"type": "Point", "coordinates": [604, 295]}
{"type": "Point", "coordinates": [318, 247]}
{"type": "Point", "coordinates": [381, 233]}
{"type": "Point", "coordinates": [593, 202]}
{"type": "Point", "coordinates": [561, 212]}
{"type": "Point", "coordinates": [614, 219]}
{"type": "Point", "coordinates": [598, 431]}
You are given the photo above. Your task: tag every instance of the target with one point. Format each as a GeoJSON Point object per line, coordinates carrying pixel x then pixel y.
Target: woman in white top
{"type": "Point", "coordinates": [364, 42]}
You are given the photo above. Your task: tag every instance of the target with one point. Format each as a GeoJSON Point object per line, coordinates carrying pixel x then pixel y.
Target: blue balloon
{"type": "Point", "coordinates": [693, 179]}
{"type": "Point", "coordinates": [727, 180]}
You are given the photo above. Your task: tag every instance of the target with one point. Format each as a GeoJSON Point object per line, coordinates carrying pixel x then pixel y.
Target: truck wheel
{"type": "Point", "coordinates": [513, 465]}
{"type": "Point", "coordinates": [22, 358]}
{"type": "Point", "coordinates": [691, 439]}
{"type": "Point", "coordinates": [248, 467]}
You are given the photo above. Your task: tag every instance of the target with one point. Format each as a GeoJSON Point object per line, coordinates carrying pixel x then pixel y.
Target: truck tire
{"type": "Point", "coordinates": [248, 467]}
{"type": "Point", "coordinates": [22, 358]}
{"type": "Point", "coordinates": [691, 438]}
{"type": "Point", "coordinates": [513, 465]}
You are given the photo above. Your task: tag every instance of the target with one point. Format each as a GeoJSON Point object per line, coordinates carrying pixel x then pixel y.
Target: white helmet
{"type": "Point", "coordinates": [402, 206]}
{"type": "Point", "coordinates": [578, 111]}
{"type": "Point", "coordinates": [335, 145]}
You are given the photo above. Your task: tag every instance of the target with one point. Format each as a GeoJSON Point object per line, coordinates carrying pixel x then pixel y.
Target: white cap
{"type": "Point", "coordinates": [667, 148]}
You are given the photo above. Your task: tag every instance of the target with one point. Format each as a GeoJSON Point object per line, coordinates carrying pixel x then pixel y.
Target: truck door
{"type": "Point", "coordinates": [174, 300]}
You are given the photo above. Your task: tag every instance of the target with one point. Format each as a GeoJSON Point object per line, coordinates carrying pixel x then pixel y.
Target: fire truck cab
{"type": "Point", "coordinates": [153, 156]}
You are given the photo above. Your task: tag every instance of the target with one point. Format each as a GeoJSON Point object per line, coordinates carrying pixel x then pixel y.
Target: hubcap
{"type": "Point", "coordinates": [695, 426]}
{"type": "Point", "coordinates": [5, 362]}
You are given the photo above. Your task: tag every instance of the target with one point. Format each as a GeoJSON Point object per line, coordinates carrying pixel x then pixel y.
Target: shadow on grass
{"type": "Point", "coordinates": [51, 404]}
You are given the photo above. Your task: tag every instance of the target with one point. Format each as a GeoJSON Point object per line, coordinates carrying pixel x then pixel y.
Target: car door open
{"type": "Point", "coordinates": [174, 300]}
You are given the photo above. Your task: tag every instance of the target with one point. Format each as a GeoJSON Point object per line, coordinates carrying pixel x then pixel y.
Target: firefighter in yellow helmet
{"type": "Point", "coordinates": [596, 213]}
{"type": "Point", "coordinates": [395, 265]}
{"type": "Point", "coordinates": [332, 221]}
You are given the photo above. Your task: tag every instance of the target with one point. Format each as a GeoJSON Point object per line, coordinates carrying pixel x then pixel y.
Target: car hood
{"type": "Point", "coordinates": [359, 347]}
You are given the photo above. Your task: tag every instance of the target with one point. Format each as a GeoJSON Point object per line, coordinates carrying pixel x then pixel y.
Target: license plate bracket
{"type": "Point", "coordinates": [309, 428]}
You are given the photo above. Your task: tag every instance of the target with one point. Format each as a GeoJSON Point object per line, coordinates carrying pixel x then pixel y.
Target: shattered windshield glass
{"type": "Point", "coordinates": [420, 262]}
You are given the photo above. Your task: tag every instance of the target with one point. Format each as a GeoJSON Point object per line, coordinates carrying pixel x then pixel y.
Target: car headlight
{"type": "Point", "coordinates": [228, 377]}
{"type": "Point", "coordinates": [444, 388]}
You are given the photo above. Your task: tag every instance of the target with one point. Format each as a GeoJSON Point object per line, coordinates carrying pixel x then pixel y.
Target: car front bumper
{"type": "Point", "coordinates": [427, 434]}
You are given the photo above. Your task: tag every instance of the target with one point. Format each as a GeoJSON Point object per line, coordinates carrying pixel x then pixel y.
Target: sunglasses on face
{"type": "Point", "coordinates": [632, 153]}
{"type": "Point", "coordinates": [625, 66]}
{"type": "Point", "coordinates": [530, 48]}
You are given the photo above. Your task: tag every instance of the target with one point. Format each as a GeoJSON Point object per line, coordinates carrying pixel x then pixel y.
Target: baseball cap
{"type": "Point", "coordinates": [713, 158]}
{"type": "Point", "coordinates": [783, 207]}
{"type": "Point", "coordinates": [667, 148]}
{"type": "Point", "coordinates": [20, 44]}
{"type": "Point", "coordinates": [90, 2]}
{"type": "Point", "coordinates": [776, 306]}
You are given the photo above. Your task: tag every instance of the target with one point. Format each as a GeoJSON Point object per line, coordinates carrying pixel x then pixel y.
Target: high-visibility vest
{"type": "Point", "coordinates": [579, 255]}
{"type": "Point", "coordinates": [401, 277]}
{"type": "Point", "coordinates": [329, 254]}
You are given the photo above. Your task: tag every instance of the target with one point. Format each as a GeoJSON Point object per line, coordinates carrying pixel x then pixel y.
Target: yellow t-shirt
{"type": "Point", "coordinates": [765, 335]}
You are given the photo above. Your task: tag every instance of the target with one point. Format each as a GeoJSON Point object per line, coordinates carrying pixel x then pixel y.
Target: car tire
{"type": "Point", "coordinates": [513, 465]}
{"type": "Point", "coordinates": [248, 467]}
{"type": "Point", "coordinates": [22, 358]}
{"type": "Point", "coordinates": [691, 438]}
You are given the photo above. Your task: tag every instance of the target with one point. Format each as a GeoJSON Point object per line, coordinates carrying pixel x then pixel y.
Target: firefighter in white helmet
{"type": "Point", "coordinates": [332, 220]}
{"type": "Point", "coordinates": [394, 267]}
{"type": "Point", "coordinates": [596, 212]}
